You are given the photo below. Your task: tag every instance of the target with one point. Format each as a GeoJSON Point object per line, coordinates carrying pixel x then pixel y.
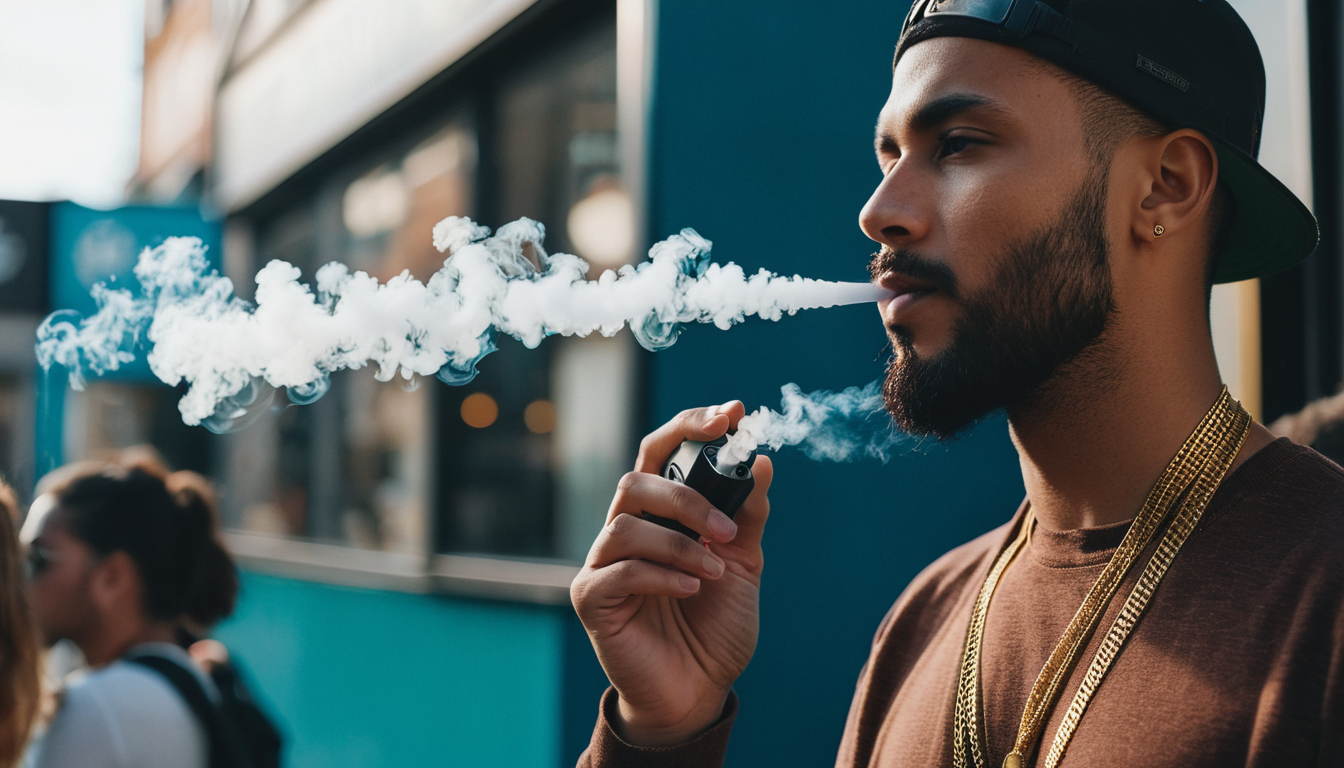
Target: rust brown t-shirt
{"type": "Point", "coordinates": [1238, 661]}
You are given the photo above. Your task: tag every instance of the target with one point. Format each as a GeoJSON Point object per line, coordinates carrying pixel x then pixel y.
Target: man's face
{"type": "Point", "coordinates": [60, 571]}
{"type": "Point", "coordinates": [992, 221]}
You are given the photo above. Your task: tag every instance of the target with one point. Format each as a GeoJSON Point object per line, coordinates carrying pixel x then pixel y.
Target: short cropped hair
{"type": "Point", "coordinates": [1109, 121]}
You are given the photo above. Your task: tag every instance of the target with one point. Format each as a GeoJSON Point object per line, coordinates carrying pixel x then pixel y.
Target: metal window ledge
{"type": "Point", "coordinates": [487, 577]}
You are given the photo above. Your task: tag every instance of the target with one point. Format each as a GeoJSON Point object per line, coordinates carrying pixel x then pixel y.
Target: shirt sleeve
{"type": "Point", "coordinates": [607, 750]}
{"type": "Point", "coordinates": [82, 734]}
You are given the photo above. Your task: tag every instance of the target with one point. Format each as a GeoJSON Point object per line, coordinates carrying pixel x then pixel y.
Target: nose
{"type": "Point", "coordinates": [893, 215]}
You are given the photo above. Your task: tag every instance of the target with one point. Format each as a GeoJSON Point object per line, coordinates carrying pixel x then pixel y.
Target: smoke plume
{"type": "Point", "coordinates": [835, 426]}
{"type": "Point", "coordinates": [296, 336]}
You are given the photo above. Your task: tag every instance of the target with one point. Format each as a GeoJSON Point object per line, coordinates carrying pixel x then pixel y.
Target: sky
{"type": "Point", "coordinates": [69, 99]}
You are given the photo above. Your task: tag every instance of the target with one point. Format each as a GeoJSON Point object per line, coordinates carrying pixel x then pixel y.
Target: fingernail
{"type": "Point", "coordinates": [690, 583]}
{"type": "Point", "coordinates": [713, 566]}
{"type": "Point", "coordinates": [721, 526]}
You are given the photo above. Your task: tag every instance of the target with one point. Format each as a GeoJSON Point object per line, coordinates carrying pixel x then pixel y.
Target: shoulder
{"type": "Point", "coordinates": [83, 731]}
{"type": "Point", "coordinates": [944, 583]}
{"type": "Point", "coordinates": [123, 684]}
{"type": "Point", "coordinates": [1277, 524]}
{"type": "Point", "coordinates": [1289, 491]}
{"type": "Point", "coordinates": [933, 607]}
{"type": "Point", "coordinates": [122, 714]}
{"type": "Point", "coordinates": [1286, 467]}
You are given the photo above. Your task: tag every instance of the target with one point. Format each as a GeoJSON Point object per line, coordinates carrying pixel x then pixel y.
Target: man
{"type": "Point", "coordinates": [1062, 182]}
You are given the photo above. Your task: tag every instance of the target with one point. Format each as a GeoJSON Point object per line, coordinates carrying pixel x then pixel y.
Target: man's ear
{"type": "Point", "coordinates": [1183, 172]}
{"type": "Point", "coordinates": [114, 581]}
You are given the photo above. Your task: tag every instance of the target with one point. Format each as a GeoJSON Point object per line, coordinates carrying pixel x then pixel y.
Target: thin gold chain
{"type": "Point", "coordinates": [967, 711]}
{"type": "Point", "coordinates": [1181, 527]}
{"type": "Point", "coordinates": [968, 714]}
{"type": "Point", "coordinates": [1201, 462]}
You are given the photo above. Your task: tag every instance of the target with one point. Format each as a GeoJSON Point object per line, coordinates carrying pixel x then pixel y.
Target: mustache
{"type": "Point", "coordinates": [912, 265]}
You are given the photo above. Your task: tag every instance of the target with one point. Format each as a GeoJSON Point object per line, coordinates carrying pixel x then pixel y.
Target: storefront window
{"type": "Point", "coordinates": [542, 489]}
{"type": "Point", "coordinates": [521, 461]}
{"type": "Point", "coordinates": [108, 416]}
{"type": "Point", "coordinates": [353, 468]}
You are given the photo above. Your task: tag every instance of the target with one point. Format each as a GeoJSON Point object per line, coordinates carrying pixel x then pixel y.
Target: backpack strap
{"type": "Point", "coordinates": [225, 745]}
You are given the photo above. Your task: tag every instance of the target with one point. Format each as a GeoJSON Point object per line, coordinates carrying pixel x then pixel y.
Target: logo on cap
{"type": "Point", "coordinates": [1163, 74]}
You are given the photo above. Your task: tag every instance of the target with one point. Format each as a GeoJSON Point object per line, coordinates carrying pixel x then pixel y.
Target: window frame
{"type": "Point", "coordinates": [465, 86]}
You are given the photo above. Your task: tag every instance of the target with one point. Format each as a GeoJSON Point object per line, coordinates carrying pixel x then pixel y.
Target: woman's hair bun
{"type": "Point", "coordinates": [167, 522]}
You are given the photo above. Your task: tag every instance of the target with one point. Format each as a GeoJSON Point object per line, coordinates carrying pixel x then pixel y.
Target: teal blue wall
{"type": "Point", "coordinates": [364, 679]}
{"type": "Point", "coordinates": [763, 142]}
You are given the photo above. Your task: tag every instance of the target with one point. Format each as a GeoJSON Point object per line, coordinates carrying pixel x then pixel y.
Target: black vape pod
{"type": "Point", "coordinates": [696, 465]}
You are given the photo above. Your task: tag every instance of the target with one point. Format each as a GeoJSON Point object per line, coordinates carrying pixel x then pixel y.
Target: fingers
{"type": "Point", "coordinates": [693, 424]}
{"type": "Point", "coordinates": [630, 538]}
{"type": "Point", "coordinates": [639, 492]}
{"type": "Point", "coordinates": [628, 577]}
{"type": "Point", "coordinates": [633, 556]}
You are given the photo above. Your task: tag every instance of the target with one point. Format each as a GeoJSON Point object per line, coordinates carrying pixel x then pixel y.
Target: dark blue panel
{"type": "Point", "coordinates": [762, 141]}
{"type": "Point", "coordinates": [23, 257]}
{"type": "Point", "coordinates": [90, 246]}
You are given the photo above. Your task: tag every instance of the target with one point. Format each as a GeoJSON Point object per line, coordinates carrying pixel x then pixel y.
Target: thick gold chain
{"type": "Point", "coordinates": [1198, 467]}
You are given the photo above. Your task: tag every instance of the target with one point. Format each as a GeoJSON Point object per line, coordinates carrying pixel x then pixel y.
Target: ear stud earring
{"type": "Point", "coordinates": [1158, 230]}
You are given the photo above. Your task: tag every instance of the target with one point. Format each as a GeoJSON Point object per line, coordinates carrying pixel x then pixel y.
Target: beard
{"type": "Point", "coordinates": [1050, 299]}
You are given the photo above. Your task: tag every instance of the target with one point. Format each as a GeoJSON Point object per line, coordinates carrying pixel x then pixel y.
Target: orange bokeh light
{"type": "Point", "coordinates": [539, 416]}
{"type": "Point", "coordinates": [479, 410]}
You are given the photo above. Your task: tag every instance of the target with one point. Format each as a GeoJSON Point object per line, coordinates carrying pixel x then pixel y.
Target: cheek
{"type": "Point", "coordinates": [977, 226]}
{"type": "Point", "coordinates": [980, 208]}
{"type": "Point", "coordinates": [47, 605]}
{"type": "Point", "coordinates": [986, 211]}
{"type": "Point", "coordinates": [44, 595]}
{"type": "Point", "coordinates": [57, 592]}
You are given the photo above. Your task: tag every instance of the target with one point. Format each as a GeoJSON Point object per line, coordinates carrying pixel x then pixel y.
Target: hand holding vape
{"type": "Point", "coordinates": [696, 465]}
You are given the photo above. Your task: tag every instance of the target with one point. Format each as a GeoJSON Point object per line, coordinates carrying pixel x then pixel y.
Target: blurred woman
{"type": "Point", "coordinates": [121, 556]}
{"type": "Point", "coordinates": [19, 650]}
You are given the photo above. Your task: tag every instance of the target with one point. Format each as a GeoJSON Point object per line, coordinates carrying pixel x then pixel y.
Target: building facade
{"type": "Point", "coordinates": [408, 547]}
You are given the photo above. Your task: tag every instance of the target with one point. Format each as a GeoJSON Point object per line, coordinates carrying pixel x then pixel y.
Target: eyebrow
{"type": "Point", "coordinates": [937, 111]}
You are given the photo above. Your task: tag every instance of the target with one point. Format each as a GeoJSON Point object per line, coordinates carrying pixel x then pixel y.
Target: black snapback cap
{"type": "Point", "coordinates": [1187, 63]}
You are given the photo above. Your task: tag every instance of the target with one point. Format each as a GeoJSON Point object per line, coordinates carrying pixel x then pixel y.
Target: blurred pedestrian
{"type": "Point", "coordinates": [1319, 425]}
{"type": "Point", "coordinates": [19, 650]}
{"type": "Point", "coordinates": [122, 557]}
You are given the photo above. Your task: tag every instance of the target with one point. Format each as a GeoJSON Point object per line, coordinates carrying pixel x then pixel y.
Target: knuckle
{"type": "Point", "coordinates": [683, 498]}
{"type": "Point", "coordinates": [624, 571]}
{"type": "Point", "coordinates": [622, 525]}
{"type": "Point", "coordinates": [646, 444]}
{"type": "Point", "coordinates": [599, 547]}
{"type": "Point", "coordinates": [579, 590]}
{"type": "Point", "coordinates": [689, 420]}
{"type": "Point", "coordinates": [628, 482]}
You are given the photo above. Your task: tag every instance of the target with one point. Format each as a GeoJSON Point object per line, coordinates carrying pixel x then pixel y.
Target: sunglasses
{"type": "Point", "coordinates": [39, 560]}
{"type": "Point", "coordinates": [1022, 17]}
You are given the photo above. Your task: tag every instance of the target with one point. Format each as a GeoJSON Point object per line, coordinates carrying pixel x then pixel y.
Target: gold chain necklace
{"type": "Point", "coordinates": [1193, 475]}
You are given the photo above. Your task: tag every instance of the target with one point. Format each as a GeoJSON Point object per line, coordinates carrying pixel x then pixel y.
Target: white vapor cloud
{"type": "Point", "coordinates": [295, 336]}
{"type": "Point", "coordinates": [834, 426]}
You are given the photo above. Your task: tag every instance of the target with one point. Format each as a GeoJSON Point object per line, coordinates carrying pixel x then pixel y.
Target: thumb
{"type": "Point", "coordinates": [751, 517]}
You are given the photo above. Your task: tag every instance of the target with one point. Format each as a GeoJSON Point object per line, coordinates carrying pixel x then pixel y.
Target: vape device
{"type": "Point", "coordinates": [696, 465]}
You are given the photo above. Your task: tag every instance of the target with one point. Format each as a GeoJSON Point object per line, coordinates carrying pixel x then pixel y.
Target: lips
{"type": "Point", "coordinates": [906, 292]}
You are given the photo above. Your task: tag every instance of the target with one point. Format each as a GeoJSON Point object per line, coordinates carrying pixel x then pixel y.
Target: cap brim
{"type": "Point", "coordinates": [1272, 229]}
